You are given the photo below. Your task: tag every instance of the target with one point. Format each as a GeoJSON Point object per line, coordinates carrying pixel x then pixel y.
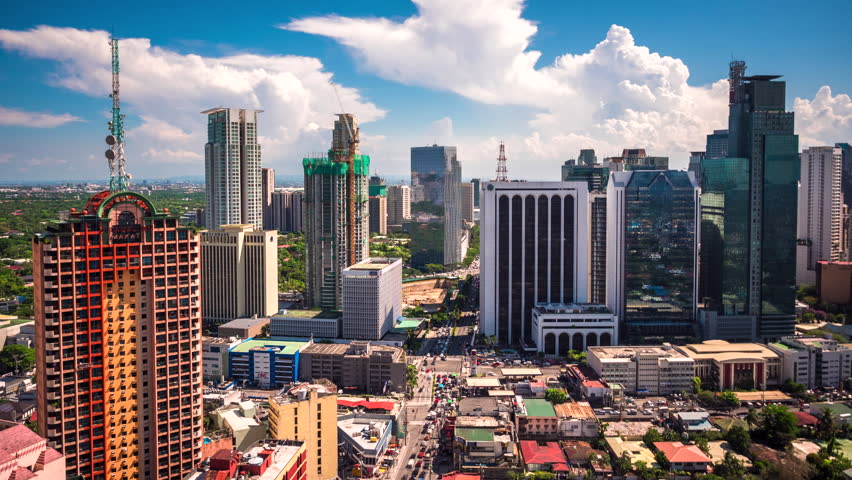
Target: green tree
{"type": "Point", "coordinates": [703, 444]}
{"type": "Point", "coordinates": [808, 317]}
{"type": "Point", "coordinates": [739, 439]}
{"type": "Point", "coordinates": [778, 425]}
{"type": "Point", "coordinates": [752, 418]}
{"type": "Point", "coordinates": [542, 475]}
{"type": "Point", "coordinates": [651, 436]}
{"type": "Point", "coordinates": [731, 468]}
{"type": "Point", "coordinates": [729, 399]}
{"type": "Point", "coordinates": [696, 385]}
{"type": "Point", "coordinates": [411, 375]}
{"type": "Point", "coordinates": [826, 428]}
{"type": "Point", "coordinates": [670, 435]}
{"type": "Point", "coordinates": [555, 395]}
{"type": "Point", "coordinates": [264, 331]}
{"type": "Point", "coordinates": [17, 359]}
{"type": "Point", "coordinates": [576, 356]}
{"type": "Point", "coordinates": [793, 388]}
{"type": "Point", "coordinates": [662, 460]}
{"type": "Point", "coordinates": [623, 463]}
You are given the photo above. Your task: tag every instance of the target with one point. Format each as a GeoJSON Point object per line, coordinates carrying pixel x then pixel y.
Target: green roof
{"type": "Point", "coordinates": [318, 314]}
{"type": "Point", "coordinates": [288, 347]}
{"type": "Point", "coordinates": [537, 407]}
{"type": "Point", "coordinates": [836, 408]}
{"type": "Point", "coordinates": [781, 346]}
{"type": "Point", "coordinates": [475, 434]}
{"type": "Point", "coordinates": [406, 323]}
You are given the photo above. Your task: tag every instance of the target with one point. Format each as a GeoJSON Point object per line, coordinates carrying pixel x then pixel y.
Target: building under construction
{"type": "Point", "coordinates": [336, 213]}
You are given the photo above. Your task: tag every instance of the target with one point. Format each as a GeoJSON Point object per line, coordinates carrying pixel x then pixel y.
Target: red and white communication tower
{"type": "Point", "coordinates": [502, 173]}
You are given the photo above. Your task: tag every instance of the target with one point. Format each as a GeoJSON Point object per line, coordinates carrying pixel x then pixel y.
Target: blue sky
{"type": "Point", "coordinates": [461, 72]}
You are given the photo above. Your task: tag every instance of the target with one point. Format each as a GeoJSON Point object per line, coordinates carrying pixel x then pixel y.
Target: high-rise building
{"type": "Point", "coordinates": [761, 131]}
{"type": "Point", "coordinates": [596, 176]}
{"type": "Point", "coordinates": [378, 206]}
{"type": "Point", "coordinates": [695, 159]}
{"type": "Point", "coordinates": [820, 216]}
{"type": "Point", "coordinates": [587, 157]}
{"type": "Point", "coordinates": [399, 204]}
{"type": "Point", "coordinates": [118, 340]}
{"type": "Point", "coordinates": [232, 168]}
{"type": "Point", "coordinates": [376, 181]}
{"type": "Point", "coordinates": [633, 156]}
{"type": "Point", "coordinates": [534, 250]}
{"type": "Point", "coordinates": [652, 252]}
{"type": "Point", "coordinates": [288, 211]}
{"type": "Point", "coordinates": [239, 273]}
{"type": "Point", "coordinates": [467, 202]}
{"type": "Point", "coordinates": [372, 298]}
{"type": "Point", "coordinates": [597, 260]}
{"type": "Point", "coordinates": [717, 144]}
{"type": "Point", "coordinates": [476, 188]}
{"type": "Point", "coordinates": [267, 182]}
{"type": "Point", "coordinates": [308, 413]}
{"type": "Point", "coordinates": [846, 180]}
{"type": "Point", "coordinates": [429, 168]}
{"type": "Point", "coordinates": [327, 222]}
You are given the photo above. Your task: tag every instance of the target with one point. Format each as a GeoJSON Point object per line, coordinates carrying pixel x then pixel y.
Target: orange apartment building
{"type": "Point", "coordinates": [118, 340]}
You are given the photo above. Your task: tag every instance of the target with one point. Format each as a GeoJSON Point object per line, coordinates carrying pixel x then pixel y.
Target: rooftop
{"type": "Point", "coordinates": [628, 353]}
{"type": "Point", "coordinates": [18, 438]}
{"type": "Point", "coordinates": [636, 450]}
{"type": "Point", "coordinates": [537, 407]}
{"type": "Point", "coordinates": [677, 452]}
{"type": "Point", "coordinates": [475, 434]}
{"type": "Point", "coordinates": [404, 323]}
{"type": "Point", "coordinates": [545, 453]}
{"type": "Point", "coordinates": [722, 351]}
{"type": "Point", "coordinates": [476, 422]}
{"type": "Point", "coordinates": [574, 410]}
{"type": "Point", "coordinates": [374, 263]}
{"type": "Point", "coordinates": [501, 393]}
{"type": "Point", "coordinates": [520, 372]}
{"type": "Point", "coordinates": [478, 405]}
{"type": "Point", "coordinates": [571, 308]}
{"type": "Point", "coordinates": [282, 347]}
{"type": "Point", "coordinates": [318, 314]}
{"type": "Point", "coordinates": [482, 382]}
{"type": "Point", "coordinates": [358, 430]}
{"type": "Point", "coordinates": [245, 322]}
{"type": "Point", "coordinates": [376, 404]}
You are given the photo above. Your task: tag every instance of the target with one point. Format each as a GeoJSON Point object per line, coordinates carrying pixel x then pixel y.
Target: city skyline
{"type": "Point", "coordinates": [631, 79]}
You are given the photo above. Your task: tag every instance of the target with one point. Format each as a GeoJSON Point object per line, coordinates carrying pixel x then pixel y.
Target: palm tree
{"type": "Point", "coordinates": [751, 418]}
{"type": "Point", "coordinates": [826, 427]}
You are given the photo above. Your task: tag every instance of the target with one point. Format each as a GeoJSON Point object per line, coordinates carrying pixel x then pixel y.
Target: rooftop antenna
{"type": "Point", "coordinates": [502, 172]}
{"type": "Point", "coordinates": [119, 180]}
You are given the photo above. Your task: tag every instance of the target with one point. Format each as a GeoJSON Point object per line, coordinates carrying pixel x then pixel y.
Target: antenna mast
{"type": "Point", "coordinates": [502, 173]}
{"type": "Point", "coordinates": [119, 180]}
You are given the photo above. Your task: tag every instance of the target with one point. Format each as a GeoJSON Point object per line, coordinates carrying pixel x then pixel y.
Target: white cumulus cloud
{"type": "Point", "coordinates": [168, 90]}
{"type": "Point", "coordinates": [824, 120]}
{"type": "Point", "coordinates": [21, 118]}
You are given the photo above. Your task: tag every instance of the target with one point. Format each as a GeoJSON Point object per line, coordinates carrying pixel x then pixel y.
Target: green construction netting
{"type": "Point", "coordinates": [324, 166]}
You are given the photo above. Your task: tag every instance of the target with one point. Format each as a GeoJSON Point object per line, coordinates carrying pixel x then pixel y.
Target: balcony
{"type": "Point", "coordinates": [51, 334]}
{"type": "Point", "coordinates": [51, 297]}
{"type": "Point", "coordinates": [52, 384]}
{"type": "Point", "coordinates": [50, 322]}
{"type": "Point", "coordinates": [49, 284]}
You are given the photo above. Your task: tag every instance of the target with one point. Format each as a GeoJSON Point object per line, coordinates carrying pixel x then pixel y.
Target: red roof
{"type": "Point", "coordinates": [21, 473]}
{"type": "Point", "coordinates": [538, 385]}
{"type": "Point", "coordinates": [805, 418]}
{"type": "Point", "coordinates": [385, 405]}
{"type": "Point", "coordinates": [18, 438]}
{"type": "Point", "coordinates": [593, 384]}
{"type": "Point", "coordinates": [677, 452]}
{"type": "Point", "coordinates": [48, 455]}
{"type": "Point", "coordinates": [550, 453]}
{"type": "Point", "coordinates": [459, 476]}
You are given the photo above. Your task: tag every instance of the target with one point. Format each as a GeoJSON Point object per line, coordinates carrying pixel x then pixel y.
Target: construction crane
{"type": "Point", "coordinates": [351, 146]}
{"type": "Point", "coordinates": [119, 179]}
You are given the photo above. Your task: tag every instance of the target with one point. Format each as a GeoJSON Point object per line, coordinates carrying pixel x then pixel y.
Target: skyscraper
{"type": "Point", "coordinates": [378, 208]}
{"type": "Point", "coordinates": [717, 144]}
{"type": "Point", "coordinates": [846, 181]}
{"type": "Point", "coordinates": [288, 211]}
{"type": "Point", "coordinates": [652, 252]}
{"type": "Point", "coordinates": [695, 159]}
{"type": "Point", "coordinates": [597, 260]}
{"type": "Point", "coordinates": [476, 187]}
{"type": "Point", "coordinates": [399, 204]}
{"type": "Point", "coordinates": [267, 188]}
{"type": "Point", "coordinates": [467, 202]}
{"type": "Point", "coordinates": [239, 273]}
{"type": "Point", "coordinates": [587, 157]}
{"type": "Point", "coordinates": [429, 168]}
{"type": "Point", "coordinates": [372, 298]}
{"type": "Point", "coordinates": [118, 340]}
{"type": "Point", "coordinates": [331, 234]}
{"type": "Point", "coordinates": [534, 250]}
{"type": "Point", "coordinates": [820, 215]}
{"type": "Point", "coordinates": [595, 176]}
{"type": "Point", "coordinates": [761, 131]}
{"type": "Point", "coordinates": [232, 168]}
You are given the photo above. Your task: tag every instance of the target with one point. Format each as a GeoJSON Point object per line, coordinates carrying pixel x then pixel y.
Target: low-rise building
{"type": "Point", "coordinates": [243, 327]}
{"type": "Point", "coordinates": [266, 362]}
{"type": "Point", "coordinates": [636, 451]}
{"type": "Point", "coordinates": [269, 460]}
{"type": "Point", "coordinates": [728, 366]}
{"type": "Point", "coordinates": [214, 357]}
{"type": "Point", "coordinates": [475, 447]}
{"type": "Point", "coordinates": [816, 362]}
{"type": "Point", "coordinates": [25, 455]}
{"type": "Point", "coordinates": [576, 420]}
{"type": "Point", "coordinates": [840, 411]}
{"type": "Point", "coordinates": [543, 456]}
{"type": "Point", "coordinates": [692, 422]}
{"type": "Point", "coordinates": [558, 327]}
{"type": "Point", "coordinates": [305, 324]}
{"type": "Point", "coordinates": [365, 440]}
{"type": "Point", "coordinates": [684, 458]}
{"type": "Point", "coordinates": [652, 370]}
{"type": "Point", "coordinates": [374, 369]}
{"type": "Point", "coordinates": [536, 418]}
{"type": "Point", "coordinates": [308, 413]}
{"type": "Point", "coordinates": [239, 419]}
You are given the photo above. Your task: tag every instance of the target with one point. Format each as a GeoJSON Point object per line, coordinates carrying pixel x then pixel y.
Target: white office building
{"type": "Point", "coordinates": [534, 250]}
{"type": "Point", "coordinates": [372, 298]}
{"type": "Point", "coordinates": [232, 169]}
{"type": "Point", "coordinates": [559, 327]}
{"type": "Point", "coordinates": [820, 215]}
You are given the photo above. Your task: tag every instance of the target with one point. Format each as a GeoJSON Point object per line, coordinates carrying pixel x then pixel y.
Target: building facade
{"type": "Point", "coordinates": [232, 169]}
{"type": "Point", "coordinates": [239, 273]}
{"type": "Point", "coordinates": [267, 186]}
{"type": "Point", "coordinates": [266, 363]}
{"type": "Point", "coordinates": [534, 249]}
{"type": "Point", "coordinates": [649, 370]}
{"type": "Point", "coordinates": [327, 201]}
{"type": "Point", "coordinates": [467, 202]}
{"type": "Point", "coordinates": [695, 159]}
{"type": "Point", "coordinates": [820, 216]}
{"type": "Point", "coordinates": [436, 181]}
{"type": "Point", "coordinates": [118, 340]}
{"type": "Point", "coordinates": [816, 362]}
{"type": "Point", "coordinates": [596, 176]}
{"type": "Point", "coordinates": [652, 252]}
{"type": "Point", "coordinates": [597, 258]}
{"type": "Point", "coordinates": [558, 328]}
{"type": "Point", "coordinates": [399, 204]}
{"type": "Point", "coordinates": [761, 131]}
{"type": "Point", "coordinates": [373, 369]}
{"type": "Point", "coordinates": [372, 298]}
{"type": "Point", "coordinates": [287, 211]}
{"type": "Point", "coordinates": [717, 144]}
{"type": "Point", "coordinates": [735, 366]}
{"type": "Point", "coordinates": [378, 206]}
{"type": "Point", "coordinates": [308, 413]}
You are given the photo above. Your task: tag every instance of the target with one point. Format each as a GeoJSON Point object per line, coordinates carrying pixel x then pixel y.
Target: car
{"type": "Point", "coordinates": [419, 463]}
{"type": "Point", "coordinates": [647, 412]}
{"type": "Point", "coordinates": [632, 412]}
{"type": "Point", "coordinates": [492, 374]}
